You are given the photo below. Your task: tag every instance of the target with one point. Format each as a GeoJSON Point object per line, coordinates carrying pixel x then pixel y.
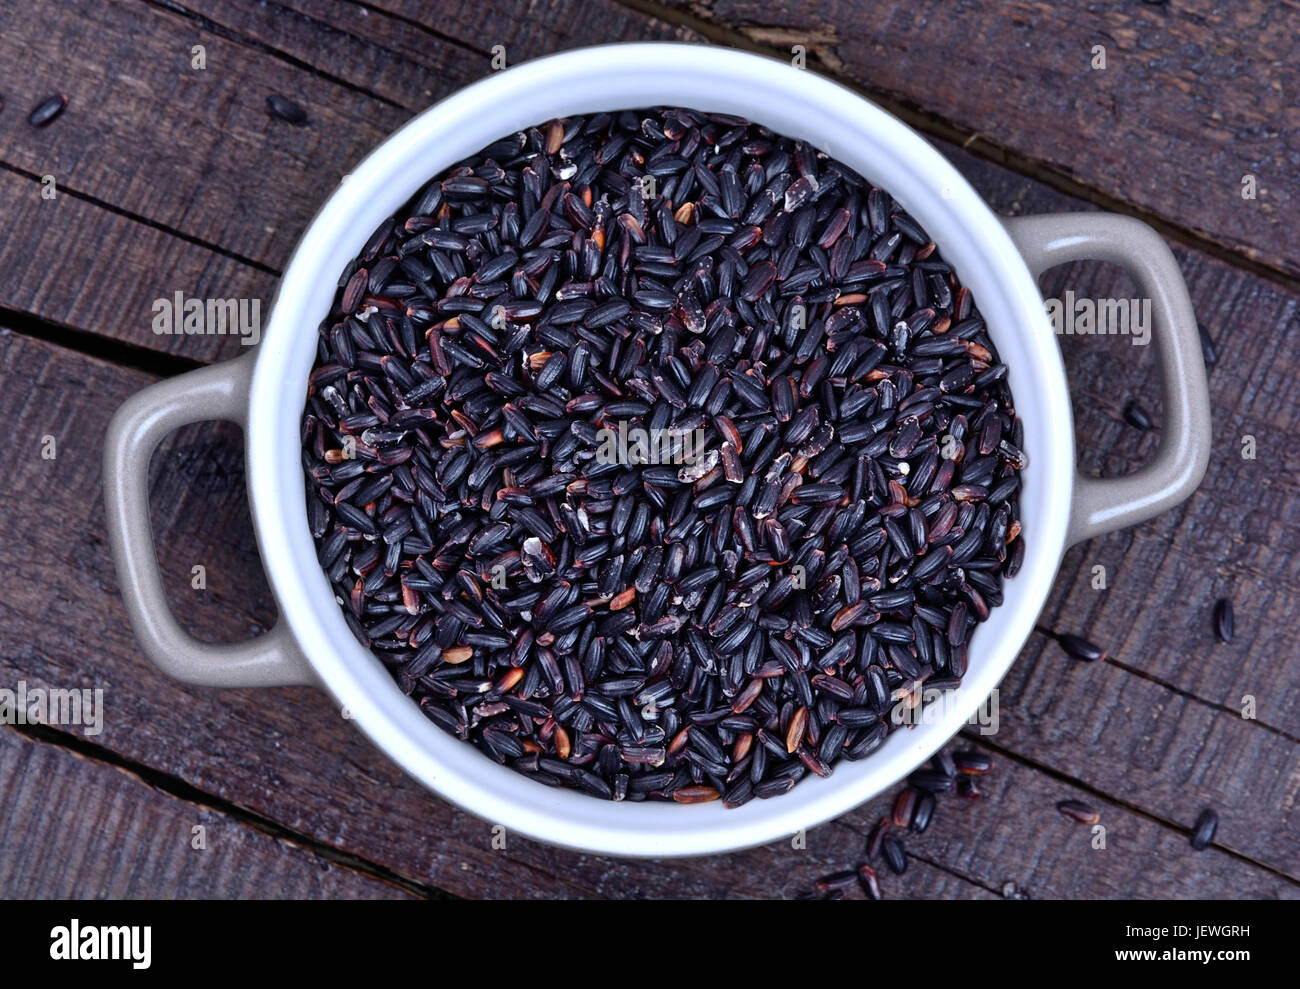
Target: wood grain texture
{"type": "Point", "coordinates": [194, 151]}
{"type": "Point", "coordinates": [412, 53]}
{"type": "Point", "coordinates": [1015, 833]}
{"type": "Point", "coordinates": [77, 264]}
{"type": "Point", "coordinates": [1141, 744]}
{"type": "Point", "coordinates": [1194, 95]}
{"type": "Point", "coordinates": [175, 146]}
{"type": "Point", "coordinates": [74, 828]}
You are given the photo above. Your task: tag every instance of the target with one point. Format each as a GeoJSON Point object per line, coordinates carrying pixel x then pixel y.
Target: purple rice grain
{"type": "Point", "coordinates": [837, 880]}
{"type": "Point", "coordinates": [923, 812]}
{"type": "Point", "coordinates": [1080, 648]}
{"type": "Point", "coordinates": [931, 781]}
{"type": "Point", "coordinates": [1078, 811]}
{"type": "Point", "coordinates": [286, 109]}
{"type": "Point", "coordinates": [1137, 417]}
{"type": "Point", "coordinates": [867, 880]}
{"type": "Point", "coordinates": [968, 788]}
{"type": "Point", "coordinates": [877, 836]}
{"type": "Point", "coordinates": [48, 110]}
{"type": "Point", "coordinates": [1223, 620]}
{"type": "Point", "coordinates": [904, 805]}
{"type": "Point", "coordinates": [972, 763]}
{"type": "Point", "coordinates": [719, 628]}
{"type": "Point", "coordinates": [895, 855]}
{"type": "Point", "coordinates": [945, 762]}
{"type": "Point", "coordinates": [1203, 832]}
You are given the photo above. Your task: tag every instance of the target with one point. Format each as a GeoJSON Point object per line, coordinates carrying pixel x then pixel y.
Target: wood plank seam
{"type": "Point", "coordinates": [125, 839]}
{"type": "Point", "coordinates": [229, 34]}
{"type": "Point", "coordinates": [73, 192]}
{"type": "Point", "coordinates": [90, 343]}
{"type": "Point", "coordinates": [1183, 692]}
{"type": "Point", "coordinates": [1120, 802]}
{"type": "Point", "coordinates": [423, 28]}
{"type": "Point", "coordinates": [176, 787]}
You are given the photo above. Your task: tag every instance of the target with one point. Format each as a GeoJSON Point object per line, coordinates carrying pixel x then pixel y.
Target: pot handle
{"type": "Point", "coordinates": [1104, 505]}
{"type": "Point", "coordinates": [218, 392]}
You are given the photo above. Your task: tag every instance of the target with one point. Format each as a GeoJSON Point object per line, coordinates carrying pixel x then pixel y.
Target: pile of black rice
{"type": "Point", "coordinates": [713, 628]}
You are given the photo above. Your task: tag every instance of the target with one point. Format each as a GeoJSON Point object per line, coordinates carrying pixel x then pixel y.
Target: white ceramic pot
{"type": "Point", "coordinates": [265, 392]}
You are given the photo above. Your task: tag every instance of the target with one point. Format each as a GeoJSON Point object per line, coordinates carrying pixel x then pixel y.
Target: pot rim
{"type": "Point", "coordinates": [790, 101]}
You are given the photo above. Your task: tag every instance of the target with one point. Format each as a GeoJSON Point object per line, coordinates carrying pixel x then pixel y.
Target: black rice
{"type": "Point", "coordinates": [1137, 417]}
{"type": "Point", "coordinates": [1203, 832]}
{"type": "Point", "coordinates": [968, 788]}
{"type": "Point", "coordinates": [972, 762]}
{"type": "Point", "coordinates": [1080, 648]}
{"type": "Point", "coordinates": [48, 110]}
{"type": "Point", "coordinates": [645, 624]}
{"type": "Point", "coordinates": [1078, 811]}
{"type": "Point", "coordinates": [923, 812]}
{"type": "Point", "coordinates": [1223, 620]}
{"type": "Point", "coordinates": [867, 880]}
{"type": "Point", "coordinates": [895, 855]}
{"type": "Point", "coordinates": [286, 109]}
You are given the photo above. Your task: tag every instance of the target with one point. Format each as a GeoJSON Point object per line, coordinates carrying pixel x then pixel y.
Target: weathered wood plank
{"type": "Point", "coordinates": [192, 150]}
{"type": "Point", "coordinates": [197, 151]}
{"type": "Point", "coordinates": [412, 53]}
{"type": "Point", "coordinates": [73, 828]}
{"type": "Point", "coordinates": [74, 263]}
{"type": "Point", "coordinates": [535, 27]}
{"type": "Point", "coordinates": [1137, 742]}
{"type": "Point", "coordinates": [1194, 95]}
{"type": "Point", "coordinates": [1014, 833]}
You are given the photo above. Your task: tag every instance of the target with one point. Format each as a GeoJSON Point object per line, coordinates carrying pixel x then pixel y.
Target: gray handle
{"type": "Point", "coordinates": [1104, 505]}
{"type": "Point", "coordinates": [219, 392]}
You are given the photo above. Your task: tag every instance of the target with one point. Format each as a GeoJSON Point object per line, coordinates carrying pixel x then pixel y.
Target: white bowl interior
{"type": "Point", "coordinates": [791, 102]}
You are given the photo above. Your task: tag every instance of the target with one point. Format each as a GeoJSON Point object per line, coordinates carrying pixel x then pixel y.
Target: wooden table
{"type": "Point", "coordinates": [172, 178]}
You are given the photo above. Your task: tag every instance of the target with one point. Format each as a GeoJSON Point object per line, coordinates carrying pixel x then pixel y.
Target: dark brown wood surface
{"type": "Point", "coordinates": [171, 179]}
{"type": "Point", "coordinates": [77, 828]}
{"type": "Point", "coordinates": [1194, 95]}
